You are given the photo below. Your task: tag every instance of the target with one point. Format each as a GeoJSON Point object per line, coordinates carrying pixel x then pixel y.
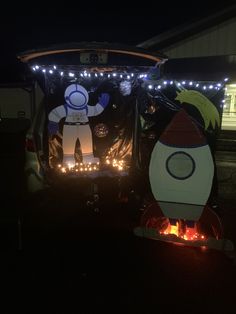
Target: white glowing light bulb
{"type": "Point", "coordinates": [70, 166]}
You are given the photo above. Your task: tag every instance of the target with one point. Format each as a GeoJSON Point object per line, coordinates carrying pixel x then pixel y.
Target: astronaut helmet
{"type": "Point", "coordinates": [76, 96]}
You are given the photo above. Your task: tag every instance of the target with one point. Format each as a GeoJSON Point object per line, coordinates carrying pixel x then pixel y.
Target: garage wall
{"type": "Point", "coordinates": [215, 41]}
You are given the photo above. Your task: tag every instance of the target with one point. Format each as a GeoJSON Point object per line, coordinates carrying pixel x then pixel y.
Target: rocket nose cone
{"type": "Point", "coordinates": [182, 132]}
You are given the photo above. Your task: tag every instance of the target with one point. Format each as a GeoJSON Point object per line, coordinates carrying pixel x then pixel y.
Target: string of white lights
{"type": "Point", "coordinates": [53, 70]}
{"type": "Point", "coordinates": [187, 84]}
{"type": "Point", "coordinates": [149, 83]}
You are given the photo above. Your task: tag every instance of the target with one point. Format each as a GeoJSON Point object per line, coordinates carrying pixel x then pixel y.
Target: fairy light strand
{"type": "Point", "coordinates": [148, 83]}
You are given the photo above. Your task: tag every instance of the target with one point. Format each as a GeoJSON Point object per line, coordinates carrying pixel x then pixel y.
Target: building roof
{"type": "Point", "coordinates": [186, 30]}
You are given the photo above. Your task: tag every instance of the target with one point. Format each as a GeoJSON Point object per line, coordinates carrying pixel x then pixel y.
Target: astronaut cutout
{"type": "Point", "coordinates": [76, 111]}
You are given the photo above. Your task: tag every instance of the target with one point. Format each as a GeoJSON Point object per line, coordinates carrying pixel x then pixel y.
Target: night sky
{"type": "Point", "coordinates": [40, 25]}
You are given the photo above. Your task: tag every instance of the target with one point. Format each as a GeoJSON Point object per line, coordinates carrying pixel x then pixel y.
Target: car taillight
{"type": "Point", "coordinates": [29, 145]}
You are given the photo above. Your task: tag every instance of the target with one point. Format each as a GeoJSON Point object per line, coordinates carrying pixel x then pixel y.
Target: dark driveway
{"type": "Point", "coordinates": [76, 260]}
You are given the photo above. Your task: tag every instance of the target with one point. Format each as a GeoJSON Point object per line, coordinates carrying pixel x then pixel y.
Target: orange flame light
{"type": "Point", "coordinates": [184, 232]}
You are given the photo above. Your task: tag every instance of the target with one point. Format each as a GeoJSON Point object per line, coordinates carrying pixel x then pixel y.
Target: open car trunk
{"type": "Point", "coordinates": [106, 106]}
{"type": "Point", "coordinates": [93, 98]}
{"type": "Point", "coordinates": [109, 113]}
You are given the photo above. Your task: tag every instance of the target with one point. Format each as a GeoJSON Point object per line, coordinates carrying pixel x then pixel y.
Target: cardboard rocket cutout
{"type": "Point", "coordinates": [181, 173]}
{"type": "Point", "coordinates": [181, 169]}
{"type": "Point", "coordinates": [76, 111]}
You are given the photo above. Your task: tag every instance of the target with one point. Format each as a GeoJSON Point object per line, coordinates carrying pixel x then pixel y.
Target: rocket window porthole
{"type": "Point", "coordinates": [180, 165]}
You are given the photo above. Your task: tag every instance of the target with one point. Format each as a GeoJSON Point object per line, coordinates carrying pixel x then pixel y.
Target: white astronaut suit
{"type": "Point", "coordinates": [76, 126]}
